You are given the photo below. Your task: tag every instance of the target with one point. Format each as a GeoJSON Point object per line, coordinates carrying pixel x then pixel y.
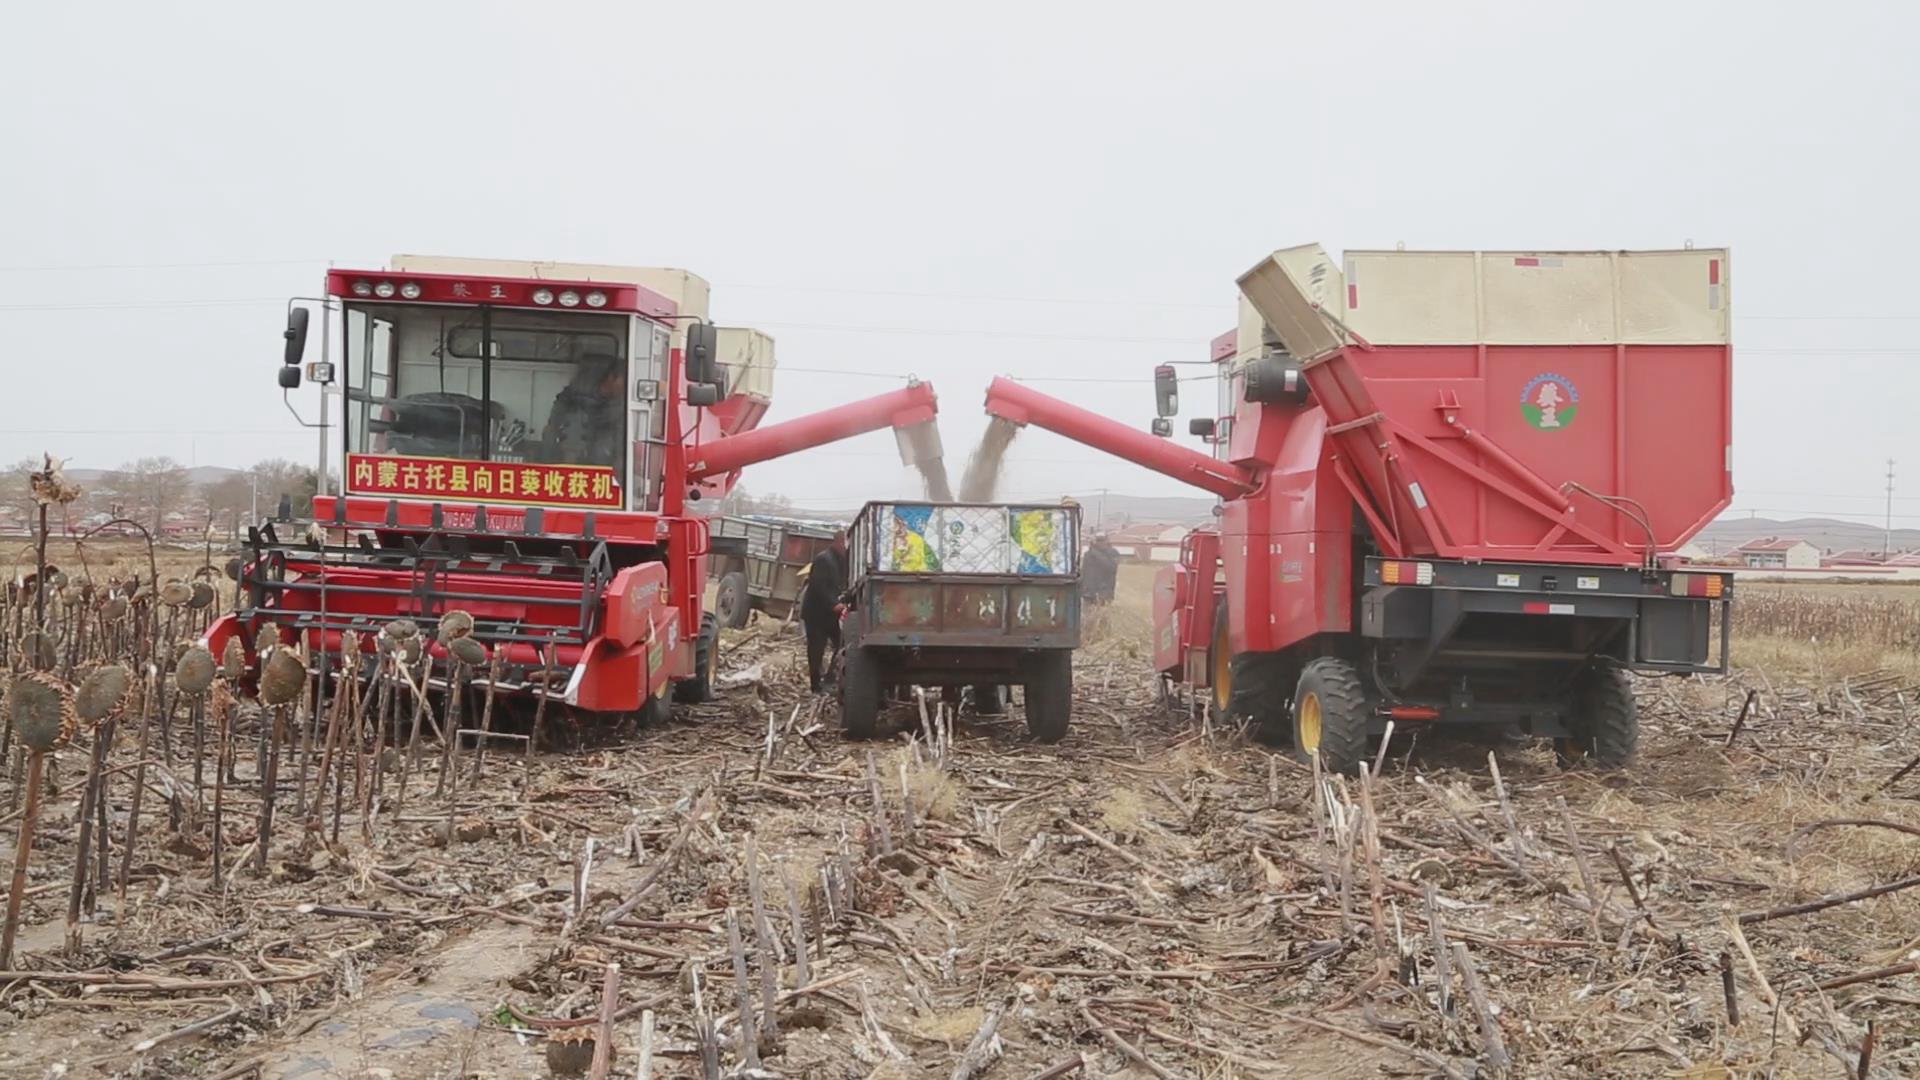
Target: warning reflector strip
{"type": "Point", "coordinates": [1537, 607]}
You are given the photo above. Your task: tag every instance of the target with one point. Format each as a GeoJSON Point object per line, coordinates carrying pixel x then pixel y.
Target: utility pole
{"type": "Point", "coordinates": [1886, 548]}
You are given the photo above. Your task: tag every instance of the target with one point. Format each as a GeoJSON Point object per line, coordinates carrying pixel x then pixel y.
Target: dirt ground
{"type": "Point", "coordinates": [1151, 897]}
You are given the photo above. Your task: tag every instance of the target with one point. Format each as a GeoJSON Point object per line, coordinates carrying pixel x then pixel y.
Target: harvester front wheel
{"type": "Point", "coordinates": [860, 693]}
{"type": "Point", "coordinates": [1605, 723]}
{"type": "Point", "coordinates": [1049, 696]}
{"type": "Point", "coordinates": [732, 601]}
{"type": "Point", "coordinates": [1330, 715]}
{"type": "Point", "coordinates": [698, 687]}
{"type": "Point", "coordinates": [656, 711]}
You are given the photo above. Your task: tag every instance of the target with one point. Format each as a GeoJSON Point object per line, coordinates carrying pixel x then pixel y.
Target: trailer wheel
{"type": "Point", "coordinates": [706, 664]}
{"type": "Point", "coordinates": [1330, 715]}
{"type": "Point", "coordinates": [732, 601]}
{"type": "Point", "coordinates": [1605, 721]}
{"type": "Point", "coordinates": [860, 692]}
{"type": "Point", "coordinates": [1049, 702]}
{"type": "Point", "coordinates": [989, 699]}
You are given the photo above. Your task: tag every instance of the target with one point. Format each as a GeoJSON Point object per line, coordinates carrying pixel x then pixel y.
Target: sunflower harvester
{"type": "Point", "coordinates": [527, 450]}
{"type": "Point", "coordinates": [1453, 487]}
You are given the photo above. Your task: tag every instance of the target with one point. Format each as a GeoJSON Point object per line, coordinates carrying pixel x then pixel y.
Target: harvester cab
{"type": "Point", "coordinates": [525, 452]}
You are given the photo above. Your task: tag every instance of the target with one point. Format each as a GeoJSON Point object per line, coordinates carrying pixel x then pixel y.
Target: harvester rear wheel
{"type": "Point", "coordinates": [1049, 704]}
{"type": "Point", "coordinates": [1330, 715]}
{"type": "Point", "coordinates": [1605, 721]}
{"type": "Point", "coordinates": [732, 601]}
{"type": "Point", "coordinates": [860, 693]}
{"type": "Point", "coordinates": [706, 664]}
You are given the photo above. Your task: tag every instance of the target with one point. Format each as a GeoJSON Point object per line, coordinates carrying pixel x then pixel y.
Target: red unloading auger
{"type": "Point", "coordinates": [1020, 404]}
{"type": "Point", "coordinates": [909, 411]}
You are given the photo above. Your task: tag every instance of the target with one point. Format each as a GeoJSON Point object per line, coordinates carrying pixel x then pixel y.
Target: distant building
{"type": "Point", "coordinates": [1694, 551]}
{"type": "Point", "coordinates": [1854, 557]}
{"type": "Point", "coordinates": [1149, 542]}
{"type": "Point", "coordinates": [1774, 553]}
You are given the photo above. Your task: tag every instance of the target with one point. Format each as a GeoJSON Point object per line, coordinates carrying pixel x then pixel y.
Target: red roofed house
{"type": "Point", "coordinates": [1777, 554]}
{"type": "Point", "coordinates": [1854, 557]}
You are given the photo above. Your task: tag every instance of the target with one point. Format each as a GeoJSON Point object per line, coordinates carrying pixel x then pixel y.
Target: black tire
{"type": "Point", "coordinates": [1049, 685]}
{"type": "Point", "coordinates": [989, 699]}
{"type": "Point", "coordinates": [732, 602]}
{"type": "Point", "coordinates": [657, 711]}
{"type": "Point", "coordinates": [860, 692]}
{"type": "Point", "coordinates": [1330, 715]}
{"type": "Point", "coordinates": [1605, 721]}
{"type": "Point", "coordinates": [706, 663]}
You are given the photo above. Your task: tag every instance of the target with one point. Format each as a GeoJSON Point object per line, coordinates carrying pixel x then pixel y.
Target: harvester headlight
{"type": "Point", "coordinates": [543, 296]}
{"type": "Point", "coordinates": [569, 299]}
{"type": "Point", "coordinates": [596, 298]}
{"type": "Point", "coordinates": [361, 288]}
{"type": "Point", "coordinates": [410, 291]}
{"type": "Point", "coordinates": [384, 290]}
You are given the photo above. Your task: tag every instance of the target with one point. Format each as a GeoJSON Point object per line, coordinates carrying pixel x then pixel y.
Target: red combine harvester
{"type": "Point", "coordinates": [528, 443]}
{"type": "Point", "coordinates": [1450, 481]}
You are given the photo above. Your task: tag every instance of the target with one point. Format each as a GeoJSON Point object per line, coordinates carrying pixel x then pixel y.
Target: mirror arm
{"type": "Point", "coordinates": [286, 398]}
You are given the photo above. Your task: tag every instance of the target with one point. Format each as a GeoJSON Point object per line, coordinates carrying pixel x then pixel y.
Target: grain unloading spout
{"type": "Point", "coordinates": [1297, 293]}
{"type": "Point", "coordinates": [910, 411]}
{"type": "Point", "coordinates": [1018, 403]}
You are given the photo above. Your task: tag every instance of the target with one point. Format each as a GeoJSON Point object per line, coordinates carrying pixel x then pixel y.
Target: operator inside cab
{"type": "Point", "coordinates": [587, 423]}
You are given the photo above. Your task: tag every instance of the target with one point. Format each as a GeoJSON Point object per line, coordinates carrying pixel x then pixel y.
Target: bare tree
{"type": "Point", "coordinates": [16, 494]}
{"type": "Point", "coordinates": [280, 477]}
{"type": "Point", "coordinates": [149, 489]}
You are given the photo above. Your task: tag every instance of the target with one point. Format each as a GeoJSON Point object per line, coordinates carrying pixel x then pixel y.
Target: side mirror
{"type": "Point", "coordinates": [1166, 391]}
{"type": "Point", "coordinates": [1162, 427]}
{"type": "Point", "coordinates": [290, 376]}
{"type": "Point", "coordinates": [1202, 426]}
{"type": "Point", "coordinates": [703, 346]}
{"type": "Point", "coordinates": [296, 335]}
{"type": "Point", "coordinates": [703, 395]}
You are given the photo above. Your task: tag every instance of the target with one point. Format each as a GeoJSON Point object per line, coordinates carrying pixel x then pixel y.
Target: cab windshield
{"type": "Point", "coordinates": [486, 384]}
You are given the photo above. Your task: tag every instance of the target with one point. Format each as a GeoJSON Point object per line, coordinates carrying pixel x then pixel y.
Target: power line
{"type": "Point", "coordinates": [65, 267]}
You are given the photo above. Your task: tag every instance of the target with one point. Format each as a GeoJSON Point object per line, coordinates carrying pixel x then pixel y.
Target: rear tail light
{"type": "Point", "coordinates": [1406, 573]}
{"type": "Point", "coordinates": [1709, 586]}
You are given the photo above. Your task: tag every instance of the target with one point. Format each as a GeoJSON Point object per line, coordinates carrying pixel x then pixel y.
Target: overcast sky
{"type": "Point", "coordinates": [1051, 190]}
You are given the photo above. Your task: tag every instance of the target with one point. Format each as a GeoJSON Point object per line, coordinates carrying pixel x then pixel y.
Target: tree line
{"type": "Point", "coordinates": [160, 491]}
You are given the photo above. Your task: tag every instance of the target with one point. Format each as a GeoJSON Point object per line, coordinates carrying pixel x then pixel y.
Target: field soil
{"type": "Point", "coordinates": [1157, 895]}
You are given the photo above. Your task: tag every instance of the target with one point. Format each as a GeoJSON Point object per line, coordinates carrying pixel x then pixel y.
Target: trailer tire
{"type": "Point", "coordinates": [698, 687]}
{"type": "Point", "coordinates": [860, 693]}
{"type": "Point", "coordinates": [989, 699]}
{"type": "Point", "coordinates": [732, 601]}
{"type": "Point", "coordinates": [1049, 697]}
{"type": "Point", "coordinates": [1605, 723]}
{"type": "Point", "coordinates": [1330, 715]}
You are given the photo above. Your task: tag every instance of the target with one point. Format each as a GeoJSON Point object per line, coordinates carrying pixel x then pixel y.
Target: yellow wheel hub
{"type": "Point", "coordinates": [1309, 722]}
{"type": "Point", "coordinates": [1222, 677]}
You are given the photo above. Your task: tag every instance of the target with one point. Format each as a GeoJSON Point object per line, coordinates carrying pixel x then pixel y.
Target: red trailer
{"type": "Point", "coordinates": [1451, 485]}
{"type": "Point", "coordinates": [530, 444]}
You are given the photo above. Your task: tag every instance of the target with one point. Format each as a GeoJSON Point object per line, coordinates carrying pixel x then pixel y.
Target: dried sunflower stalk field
{"type": "Point", "coordinates": [206, 884]}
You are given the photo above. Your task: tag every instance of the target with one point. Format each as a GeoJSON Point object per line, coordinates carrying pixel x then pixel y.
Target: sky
{"type": "Point", "coordinates": [1060, 192]}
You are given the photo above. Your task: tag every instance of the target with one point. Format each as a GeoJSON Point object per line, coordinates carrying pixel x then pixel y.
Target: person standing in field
{"type": "Point", "coordinates": [821, 605]}
{"type": "Point", "coordinates": [1099, 570]}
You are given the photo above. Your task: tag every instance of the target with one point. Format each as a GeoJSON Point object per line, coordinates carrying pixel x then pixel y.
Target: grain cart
{"type": "Point", "coordinates": [963, 594]}
{"type": "Point", "coordinates": [759, 563]}
{"type": "Point", "coordinates": [1451, 483]}
{"type": "Point", "coordinates": [526, 443]}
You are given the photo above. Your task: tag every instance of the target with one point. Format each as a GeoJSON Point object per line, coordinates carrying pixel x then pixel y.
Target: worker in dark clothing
{"type": "Point", "coordinates": [588, 420]}
{"type": "Point", "coordinates": [821, 605]}
{"type": "Point", "coordinates": [1098, 570]}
